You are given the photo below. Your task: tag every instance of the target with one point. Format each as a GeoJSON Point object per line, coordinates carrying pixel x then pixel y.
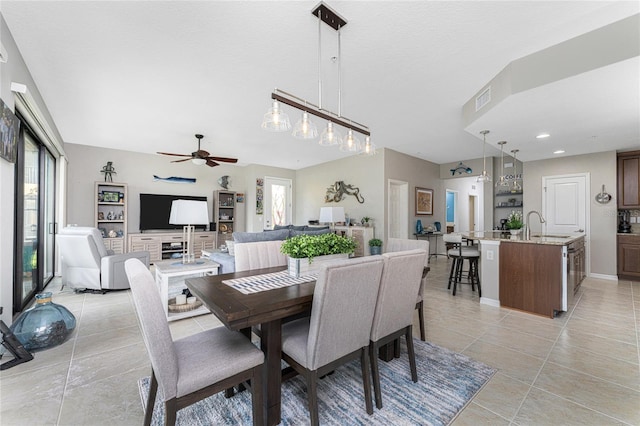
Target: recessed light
{"type": "Point", "coordinates": [543, 135]}
{"type": "Point", "coordinates": [559, 151]}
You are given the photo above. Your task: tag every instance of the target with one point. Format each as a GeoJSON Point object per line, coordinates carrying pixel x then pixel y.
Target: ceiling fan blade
{"type": "Point", "coordinates": [180, 161]}
{"type": "Point", "coordinates": [177, 155]}
{"type": "Point", "coordinates": [211, 163]}
{"type": "Point", "coordinates": [225, 159]}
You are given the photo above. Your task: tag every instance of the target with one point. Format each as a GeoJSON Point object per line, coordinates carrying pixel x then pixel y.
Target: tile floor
{"type": "Point", "coordinates": [580, 368]}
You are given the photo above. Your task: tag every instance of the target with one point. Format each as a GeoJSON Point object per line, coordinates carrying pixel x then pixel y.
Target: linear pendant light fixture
{"type": "Point", "coordinates": [276, 120]}
{"type": "Point", "coordinates": [484, 177]}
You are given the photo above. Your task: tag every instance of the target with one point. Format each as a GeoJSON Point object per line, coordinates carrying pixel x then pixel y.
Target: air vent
{"type": "Point", "coordinates": [483, 98]}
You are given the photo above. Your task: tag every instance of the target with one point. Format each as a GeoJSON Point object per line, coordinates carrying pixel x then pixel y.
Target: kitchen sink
{"type": "Point", "coordinates": [551, 236]}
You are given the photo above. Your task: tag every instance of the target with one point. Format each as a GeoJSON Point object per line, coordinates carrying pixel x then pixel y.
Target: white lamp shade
{"type": "Point", "coordinates": [189, 212]}
{"type": "Point", "coordinates": [199, 161]}
{"type": "Point", "coordinates": [331, 214]}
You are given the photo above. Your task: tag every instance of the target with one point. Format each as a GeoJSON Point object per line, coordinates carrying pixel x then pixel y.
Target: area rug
{"type": "Point", "coordinates": [447, 382]}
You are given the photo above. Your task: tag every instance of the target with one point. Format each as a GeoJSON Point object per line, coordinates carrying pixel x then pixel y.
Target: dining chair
{"type": "Point", "coordinates": [402, 244]}
{"type": "Point", "coordinates": [195, 367]}
{"type": "Point", "coordinates": [338, 330]}
{"type": "Point", "coordinates": [459, 253]}
{"type": "Point", "coordinates": [393, 317]}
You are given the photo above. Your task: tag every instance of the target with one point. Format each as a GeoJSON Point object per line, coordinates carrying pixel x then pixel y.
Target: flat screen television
{"type": "Point", "coordinates": [156, 208]}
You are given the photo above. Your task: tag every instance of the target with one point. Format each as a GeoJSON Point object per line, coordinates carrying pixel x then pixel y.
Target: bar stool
{"type": "Point", "coordinates": [459, 254]}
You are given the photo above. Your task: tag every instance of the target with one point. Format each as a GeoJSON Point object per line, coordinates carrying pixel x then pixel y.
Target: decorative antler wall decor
{"type": "Point", "coordinates": [337, 191]}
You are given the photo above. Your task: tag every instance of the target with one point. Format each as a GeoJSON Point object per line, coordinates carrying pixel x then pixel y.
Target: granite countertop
{"type": "Point", "coordinates": [549, 239]}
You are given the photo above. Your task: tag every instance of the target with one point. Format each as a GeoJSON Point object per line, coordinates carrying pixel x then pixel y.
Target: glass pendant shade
{"type": "Point", "coordinates": [45, 325]}
{"type": "Point", "coordinates": [330, 136]}
{"type": "Point", "coordinates": [484, 177]}
{"type": "Point", "coordinates": [350, 143]}
{"type": "Point", "coordinates": [305, 128]}
{"type": "Point", "coordinates": [276, 120]}
{"type": "Point", "coordinates": [515, 186]}
{"type": "Point", "coordinates": [502, 182]}
{"type": "Point", "coordinates": [368, 148]}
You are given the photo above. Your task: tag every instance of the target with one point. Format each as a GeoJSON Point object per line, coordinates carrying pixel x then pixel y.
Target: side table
{"type": "Point", "coordinates": [170, 276]}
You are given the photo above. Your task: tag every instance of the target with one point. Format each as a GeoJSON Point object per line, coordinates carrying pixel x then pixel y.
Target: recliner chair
{"type": "Point", "coordinates": [86, 263]}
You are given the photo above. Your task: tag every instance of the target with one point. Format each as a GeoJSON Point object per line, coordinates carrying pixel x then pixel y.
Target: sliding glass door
{"type": "Point", "coordinates": [35, 219]}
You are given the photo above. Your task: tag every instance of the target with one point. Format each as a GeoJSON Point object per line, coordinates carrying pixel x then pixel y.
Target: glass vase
{"type": "Point", "coordinates": [45, 325]}
{"type": "Point", "coordinates": [419, 228]}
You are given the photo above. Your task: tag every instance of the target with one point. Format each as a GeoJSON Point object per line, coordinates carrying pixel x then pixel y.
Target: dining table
{"type": "Point", "coordinates": [239, 311]}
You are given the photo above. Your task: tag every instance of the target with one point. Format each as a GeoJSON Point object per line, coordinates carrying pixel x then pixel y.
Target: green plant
{"type": "Point", "coordinates": [365, 219]}
{"type": "Point", "coordinates": [375, 242]}
{"type": "Point", "coordinates": [310, 246]}
{"type": "Point", "coordinates": [514, 221]}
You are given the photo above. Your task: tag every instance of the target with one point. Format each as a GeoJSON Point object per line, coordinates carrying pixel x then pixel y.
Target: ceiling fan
{"type": "Point", "coordinates": [201, 157]}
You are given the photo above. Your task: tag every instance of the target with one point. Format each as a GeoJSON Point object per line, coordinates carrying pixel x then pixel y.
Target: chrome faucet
{"type": "Point", "coordinates": [527, 230]}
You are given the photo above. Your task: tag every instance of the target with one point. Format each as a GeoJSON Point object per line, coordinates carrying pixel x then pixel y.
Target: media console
{"type": "Point", "coordinates": [167, 245]}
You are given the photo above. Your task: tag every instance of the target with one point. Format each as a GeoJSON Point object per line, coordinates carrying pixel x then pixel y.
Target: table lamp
{"type": "Point", "coordinates": [331, 215]}
{"type": "Point", "coordinates": [188, 213]}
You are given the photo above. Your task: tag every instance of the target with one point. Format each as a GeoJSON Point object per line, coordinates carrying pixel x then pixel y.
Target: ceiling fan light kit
{"type": "Point", "coordinates": [276, 120]}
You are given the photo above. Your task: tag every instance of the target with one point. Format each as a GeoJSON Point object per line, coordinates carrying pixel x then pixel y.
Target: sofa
{"type": "Point", "coordinates": [262, 249]}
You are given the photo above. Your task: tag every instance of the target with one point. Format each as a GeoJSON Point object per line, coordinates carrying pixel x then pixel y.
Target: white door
{"type": "Point", "coordinates": [564, 203]}
{"type": "Point", "coordinates": [398, 209]}
{"type": "Point", "coordinates": [277, 202]}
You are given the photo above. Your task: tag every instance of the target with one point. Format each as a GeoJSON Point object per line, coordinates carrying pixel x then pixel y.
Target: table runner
{"type": "Point", "coordinates": [258, 283]}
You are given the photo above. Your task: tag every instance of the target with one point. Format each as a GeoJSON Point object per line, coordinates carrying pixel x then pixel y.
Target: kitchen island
{"type": "Point", "coordinates": [539, 275]}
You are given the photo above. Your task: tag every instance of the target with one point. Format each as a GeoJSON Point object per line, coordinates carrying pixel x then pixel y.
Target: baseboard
{"type": "Point", "coordinates": [604, 277]}
{"type": "Point", "coordinates": [490, 302]}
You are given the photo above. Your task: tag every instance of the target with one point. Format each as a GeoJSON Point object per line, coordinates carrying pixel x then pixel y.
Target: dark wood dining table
{"type": "Point", "coordinates": [239, 311]}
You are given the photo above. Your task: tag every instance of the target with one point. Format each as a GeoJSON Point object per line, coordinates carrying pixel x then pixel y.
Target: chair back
{"type": "Point", "coordinates": [155, 329]}
{"type": "Point", "coordinates": [261, 254]}
{"type": "Point", "coordinates": [399, 284]}
{"type": "Point", "coordinates": [81, 250]}
{"type": "Point", "coordinates": [403, 244]}
{"type": "Point", "coordinates": [343, 304]}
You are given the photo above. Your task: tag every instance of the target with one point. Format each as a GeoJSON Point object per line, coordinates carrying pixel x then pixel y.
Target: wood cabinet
{"type": "Point", "coordinates": [629, 180]}
{"type": "Point", "coordinates": [224, 206]}
{"type": "Point", "coordinates": [166, 245]}
{"type": "Point", "coordinates": [531, 277]}
{"type": "Point", "coordinates": [110, 215]}
{"type": "Point", "coordinates": [629, 257]}
{"type": "Point", "coordinates": [362, 235]}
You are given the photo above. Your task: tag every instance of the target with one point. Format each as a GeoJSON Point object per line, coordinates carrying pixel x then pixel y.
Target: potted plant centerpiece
{"type": "Point", "coordinates": [305, 252]}
{"type": "Point", "coordinates": [514, 222]}
{"type": "Point", "coordinates": [375, 246]}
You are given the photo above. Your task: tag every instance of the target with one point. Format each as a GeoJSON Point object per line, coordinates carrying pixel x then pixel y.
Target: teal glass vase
{"type": "Point", "coordinates": [45, 325]}
{"type": "Point", "coordinates": [419, 227]}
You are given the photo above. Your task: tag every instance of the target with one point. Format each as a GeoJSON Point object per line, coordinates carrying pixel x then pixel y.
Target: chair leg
{"type": "Point", "coordinates": [412, 355]}
{"type": "Point", "coordinates": [472, 274]}
{"type": "Point", "coordinates": [419, 307]}
{"type": "Point", "coordinates": [170, 412]}
{"type": "Point", "coordinates": [396, 348]}
{"type": "Point", "coordinates": [375, 372]}
{"type": "Point", "coordinates": [312, 395]}
{"type": "Point", "coordinates": [366, 380]}
{"type": "Point", "coordinates": [151, 399]}
{"type": "Point", "coordinates": [452, 273]}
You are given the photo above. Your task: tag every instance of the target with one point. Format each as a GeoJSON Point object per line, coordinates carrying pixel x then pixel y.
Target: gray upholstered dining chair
{"type": "Point", "coordinates": [195, 367]}
{"type": "Point", "coordinates": [402, 244]}
{"type": "Point", "coordinates": [339, 327]}
{"type": "Point", "coordinates": [393, 316]}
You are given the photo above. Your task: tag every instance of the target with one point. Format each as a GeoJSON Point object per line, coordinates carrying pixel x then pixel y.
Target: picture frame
{"type": "Point", "coordinates": [110, 196]}
{"type": "Point", "coordinates": [424, 201]}
{"type": "Point", "coordinates": [9, 129]}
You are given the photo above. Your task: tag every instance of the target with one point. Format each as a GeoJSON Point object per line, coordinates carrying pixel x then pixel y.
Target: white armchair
{"type": "Point", "coordinates": [86, 263]}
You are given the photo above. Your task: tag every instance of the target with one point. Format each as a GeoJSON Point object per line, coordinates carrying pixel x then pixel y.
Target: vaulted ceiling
{"type": "Point", "coordinates": [147, 75]}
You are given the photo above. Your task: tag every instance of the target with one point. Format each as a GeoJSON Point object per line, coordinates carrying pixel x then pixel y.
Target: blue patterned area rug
{"type": "Point", "coordinates": [447, 382]}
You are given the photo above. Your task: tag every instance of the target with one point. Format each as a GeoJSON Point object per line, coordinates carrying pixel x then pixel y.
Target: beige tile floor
{"type": "Point", "coordinates": [581, 368]}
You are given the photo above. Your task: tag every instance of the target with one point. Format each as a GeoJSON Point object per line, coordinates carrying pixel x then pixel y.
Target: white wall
{"type": "Point", "coordinates": [465, 187]}
{"type": "Point", "coordinates": [14, 70]}
{"type": "Point", "coordinates": [363, 172]}
{"type": "Point", "coordinates": [255, 223]}
{"type": "Point", "coordinates": [603, 226]}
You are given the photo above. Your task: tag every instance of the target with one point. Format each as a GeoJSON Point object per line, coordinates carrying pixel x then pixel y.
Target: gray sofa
{"type": "Point", "coordinates": [227, 261]}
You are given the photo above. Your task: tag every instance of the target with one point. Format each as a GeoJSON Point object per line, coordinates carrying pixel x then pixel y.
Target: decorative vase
{"type": "Point", "coordinates": [438, 226]}
{"type": "Point", "coordinates": [298, 267]}
{"type": "Point", "coordinates": [45, 325]}
{"type": "Point", "coordinates": [419, 227]}
{"type": "Point", "coordinates": [376, 249]}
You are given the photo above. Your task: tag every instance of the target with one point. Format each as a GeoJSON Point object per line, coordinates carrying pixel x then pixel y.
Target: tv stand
{"type": "Point", "coordinates": [167, 245]}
